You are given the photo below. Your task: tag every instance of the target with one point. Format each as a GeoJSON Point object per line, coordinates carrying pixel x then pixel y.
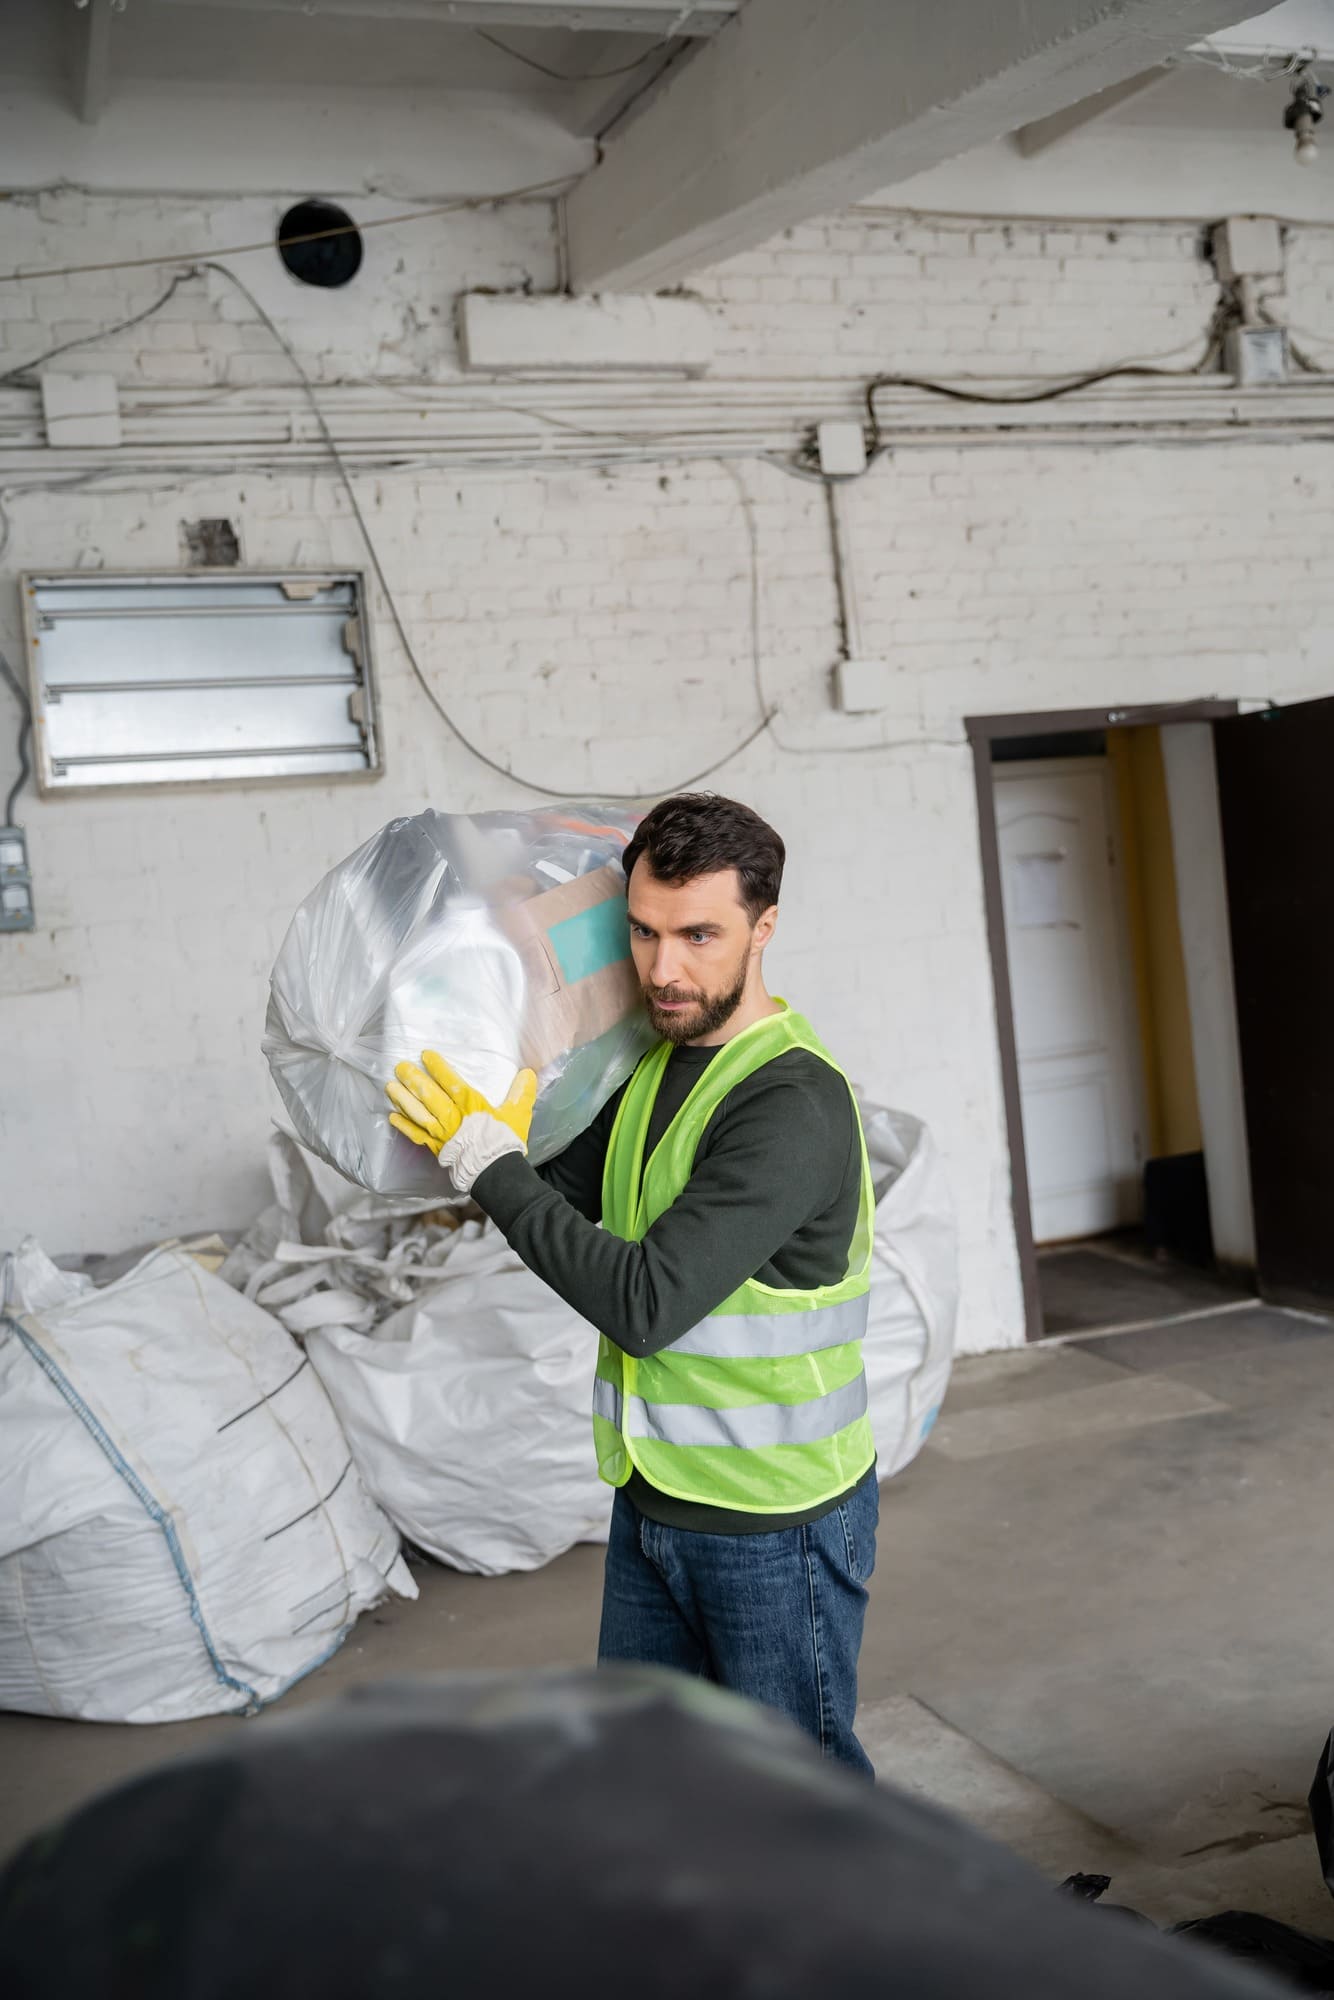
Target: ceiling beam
{"type": "Point", "coordinates": [801, 107]}
{"type": "Point", "coordinates": [631, 17]}
{"type": "Point", "coordinates": [92, 81]}
{"type": "Point", "coordinates": [1296, 27]}
{"type": "Point", "coordinates": [598, 106]}
{"type": "Point", "coordinates": [1044, 133]}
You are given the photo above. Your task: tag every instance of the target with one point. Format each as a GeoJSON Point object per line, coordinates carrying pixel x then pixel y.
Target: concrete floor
{"type": "Point", "coordinates": [1114, 1281]}
{"type": "Point", "coordinates": [1098, 1626]}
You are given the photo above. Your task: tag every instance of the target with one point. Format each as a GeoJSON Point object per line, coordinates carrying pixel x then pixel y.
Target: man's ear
{"type": "Point", "coordinates": [765, 925]}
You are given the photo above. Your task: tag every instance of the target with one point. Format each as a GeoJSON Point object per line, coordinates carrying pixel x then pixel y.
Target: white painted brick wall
{"type": "Point", "coordinates": [594, 627]}
{"type": "Point", "coordinates": [868, 293]}
{"type": "Point", "coordinates": [396, 321]}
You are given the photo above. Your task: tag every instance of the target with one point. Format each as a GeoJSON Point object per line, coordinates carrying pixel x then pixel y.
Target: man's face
{"type": "Point", "coordinates": [694, 945]}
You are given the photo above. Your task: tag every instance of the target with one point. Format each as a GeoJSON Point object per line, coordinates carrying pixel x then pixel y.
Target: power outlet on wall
{"type": "Point", "coordinates": [16, 911]}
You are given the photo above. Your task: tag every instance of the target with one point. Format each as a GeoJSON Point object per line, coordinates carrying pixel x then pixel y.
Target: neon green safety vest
{"type": "Point", "coordinates": [761, 1407]}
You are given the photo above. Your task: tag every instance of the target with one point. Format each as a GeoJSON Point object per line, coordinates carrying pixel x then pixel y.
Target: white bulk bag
{"type": "Point", "coordinates": [182, 1530]}
{"type": "Point", "coordinates": [914, 1286]}
{"type": "Point", "coordinates": [468, 1413]}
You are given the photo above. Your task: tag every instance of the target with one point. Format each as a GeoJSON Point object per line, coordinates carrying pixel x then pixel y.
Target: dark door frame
{"type": "Point", "coordinates": [983, 731]}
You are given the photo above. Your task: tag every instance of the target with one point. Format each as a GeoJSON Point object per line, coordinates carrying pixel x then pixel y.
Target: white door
{"type": "Point", "coordinates": [1074, 1014]}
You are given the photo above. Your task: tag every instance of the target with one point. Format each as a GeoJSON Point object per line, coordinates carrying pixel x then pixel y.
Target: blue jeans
{"type": "Point", "coordinates": [774, 1616]}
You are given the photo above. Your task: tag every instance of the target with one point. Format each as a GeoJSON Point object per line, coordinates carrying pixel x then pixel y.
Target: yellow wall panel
{"type": "Point", "coordinates": [1155, 931]}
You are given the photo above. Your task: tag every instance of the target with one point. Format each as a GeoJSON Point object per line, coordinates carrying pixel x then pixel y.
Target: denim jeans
{"type": "Point", "coordinates": [774, 1616]}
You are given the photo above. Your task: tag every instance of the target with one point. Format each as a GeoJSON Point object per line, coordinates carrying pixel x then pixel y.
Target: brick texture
{"type": "Point", "coordinates": [593, 629]}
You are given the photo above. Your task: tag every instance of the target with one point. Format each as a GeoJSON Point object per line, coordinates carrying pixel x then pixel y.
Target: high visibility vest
{"type": "Point", "coordinates": [761, 1407]}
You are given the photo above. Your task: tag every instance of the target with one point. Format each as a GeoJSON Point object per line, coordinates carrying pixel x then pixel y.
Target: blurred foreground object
{"type": "Point", "coordinates": [508, 1834]}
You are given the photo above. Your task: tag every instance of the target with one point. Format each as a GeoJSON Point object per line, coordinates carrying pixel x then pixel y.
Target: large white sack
{"type": "Point", "coordinates": [468, 1413]}
{"type": "Point", "coordinates": [182, 1530]}
{"type": "Point", "coordinates": [914, 1286]}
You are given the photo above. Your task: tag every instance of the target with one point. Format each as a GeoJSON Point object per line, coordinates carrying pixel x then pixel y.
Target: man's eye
{"type": "Point", "coordinates": [699, 937]}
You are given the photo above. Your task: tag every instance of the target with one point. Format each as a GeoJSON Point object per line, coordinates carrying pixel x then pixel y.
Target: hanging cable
{"type": "Point", "coordinates": [1272, 67]}
{"type": "Point", "coordinates": [103, 333]}
{"type": "Point", "coordinates": [1304, 361]}
{"type": "Point", "coordinates": [501, 770]}
{"type": "Point", "coordinates": [771, 710]}
{"type": "Point", "coordinates": [575, 76]}
{"type": "Point", "coordinates": [1049, 393]}
{"type": "Point", "coordinates": [798, 467]}
{"type": "Point", "coordinates": [530, 193]}
{"type": "Point", "coordinates": [664, 42]}
{"type": "Point", "coordinates": [753, 538]}
{"type": "Point", "coordinates": [25, 733]}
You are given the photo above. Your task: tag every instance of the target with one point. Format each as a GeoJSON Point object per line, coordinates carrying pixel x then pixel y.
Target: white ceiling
{"type": "Point", "coordinates": [1203, 136]}
{"type": "Point", "coordinates": [423, 44]}
{"type": "Point", "coordinates": [1192, 98]}
{"type": "Point", "coordinates": [410, 97]}
{"type": "Point", "coordinates": [1300, 25]}
{"type": "Point", "coordinates": [605, 53]}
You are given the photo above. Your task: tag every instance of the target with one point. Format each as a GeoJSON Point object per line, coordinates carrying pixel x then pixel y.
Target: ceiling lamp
{"type": "Point", "coordinates": [1303, 114]}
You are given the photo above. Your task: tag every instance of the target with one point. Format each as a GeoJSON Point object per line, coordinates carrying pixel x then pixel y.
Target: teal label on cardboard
{"type": "Point", "coordinates": [591, 941]}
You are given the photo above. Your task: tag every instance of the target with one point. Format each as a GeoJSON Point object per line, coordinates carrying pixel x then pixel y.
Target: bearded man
{"type": "Point", "coordinates": [728, 1281]}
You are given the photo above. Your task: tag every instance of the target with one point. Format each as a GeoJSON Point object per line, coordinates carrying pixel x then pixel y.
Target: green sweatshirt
{"type": "Point", "coordinates": [773, 1195]}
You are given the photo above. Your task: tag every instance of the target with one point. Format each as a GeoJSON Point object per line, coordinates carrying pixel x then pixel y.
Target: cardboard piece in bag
{"type": "Point", "coordinates": [562, 1012]}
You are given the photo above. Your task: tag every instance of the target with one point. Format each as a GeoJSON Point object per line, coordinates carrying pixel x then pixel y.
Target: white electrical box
{"type": "Point", "coordinates": [863, 686]}
{"type": "Point", "coordinates": [1248, 246]}
{"type": "Point", "coordinates": [505, 333]}
{"type": "Point", "coordinates": [842, 449]}
{"type": "Point", "coordinates": [1256, 354]}
{"type": "Point", "coordinates": [80, 409]}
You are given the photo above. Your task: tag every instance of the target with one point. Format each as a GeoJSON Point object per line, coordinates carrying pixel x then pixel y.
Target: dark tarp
{"type": "Point", "coordinates": [631, 1832]}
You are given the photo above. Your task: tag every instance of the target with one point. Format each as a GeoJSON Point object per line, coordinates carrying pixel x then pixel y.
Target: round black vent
{"type": "Point", "coordinates": [321, 259]}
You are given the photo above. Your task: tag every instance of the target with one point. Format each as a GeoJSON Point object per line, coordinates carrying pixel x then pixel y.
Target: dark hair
{"type": "Point", "coordinates": [697, 833]}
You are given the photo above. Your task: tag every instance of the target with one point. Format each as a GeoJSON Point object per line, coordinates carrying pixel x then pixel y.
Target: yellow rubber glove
{"type": "Point", "coordinates": [424, 1113]}
{"type": "Point", "coordinates": [436, 1108]}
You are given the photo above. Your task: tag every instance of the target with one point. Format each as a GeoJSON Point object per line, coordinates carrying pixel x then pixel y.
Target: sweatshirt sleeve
{"type": "Point", "coordinates": [576, 1174]}
{"type": "Point", "coordinates": [772, 1157]}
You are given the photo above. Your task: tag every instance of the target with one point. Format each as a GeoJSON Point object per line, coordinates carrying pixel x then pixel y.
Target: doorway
{"type": "Point", "coordinates": [1081, 1082]}
{"type": "Point", "coordinates": [1276, 804]}
{"type": "Point", "coordinates": [1098, 987]}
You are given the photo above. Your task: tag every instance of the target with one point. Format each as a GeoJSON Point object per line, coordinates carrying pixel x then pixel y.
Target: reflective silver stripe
{"type": "Point", "coordinates": [606, 1401]}
{"type": "Point", "coordinates": [750, 1427]}
{"type": "Point", "coordinates": [769, 1336]}
{"type": "Point", "coordinates": [760, 1424]}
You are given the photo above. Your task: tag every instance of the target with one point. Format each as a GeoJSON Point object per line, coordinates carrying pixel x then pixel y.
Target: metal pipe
{"type": "Point", "coordinates": [356, 749]}
{"type": "Point", "coordinates": [47, 616]}
{"type": "Point", "coordinates": [56, 689]}
{"type": "Point", "coordinates": [848, 614]}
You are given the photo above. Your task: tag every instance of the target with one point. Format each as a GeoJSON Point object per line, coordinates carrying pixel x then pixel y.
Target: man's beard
{"type": "Point", "coordinates": [708, 1013]}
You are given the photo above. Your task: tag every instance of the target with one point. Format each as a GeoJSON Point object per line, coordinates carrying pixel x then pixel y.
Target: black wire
{"type": "Point", "coordinates": [25, 768]}
{"type": "Point", "coordinates": [1047, 395]}
{"type": "Point", "coordinates": [478, 201]}
{"type": "Point", "coordinates": [1303, 359]}
{"type": "Point", "coordinates": [1299, 354]}
{"type": "Point", "coordinates": [574, 76]}
{"type": "Point", "coordinates": [491, 763]}
{"type": "Point", "coordinates": [85, 339]}
{"type": "Point", "coordinates": [25, 732]}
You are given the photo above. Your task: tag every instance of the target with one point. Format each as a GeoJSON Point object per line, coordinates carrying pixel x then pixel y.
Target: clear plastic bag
{"type": "Point", "coordinates": [499, 939]}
